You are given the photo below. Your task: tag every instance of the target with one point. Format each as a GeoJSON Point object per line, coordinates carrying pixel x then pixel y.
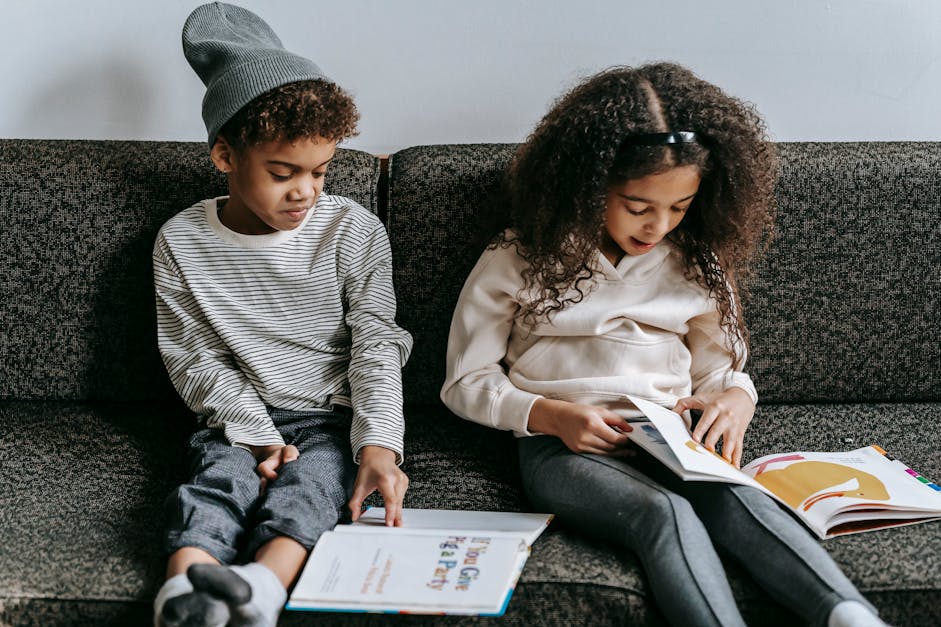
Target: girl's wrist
{"type": "Point", "coordinates": [740, 394]}
{"type": "Point", "coordinates": [542, 417]}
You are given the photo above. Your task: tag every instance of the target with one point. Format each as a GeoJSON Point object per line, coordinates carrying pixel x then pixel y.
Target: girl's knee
{"type": "Point", "coordinates": [736, 496]}
{"type": "Point", "coordinates": [661, 507]}
{"type": "Point", "coordinates": [656, 521]}
{"type": "Point", "coordinates": [653, 511]}
{"type": "Point", "coordinates": [731, 502]}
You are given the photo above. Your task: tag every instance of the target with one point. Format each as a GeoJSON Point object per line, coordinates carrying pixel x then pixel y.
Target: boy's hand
{"type": "Point", "coordinates": [377, 471]}
{"type": "Point", "coordinates": [725, 416]}
{"type": "Point", "coordinates": [270, 460]}
{"type": "Point", "coordinates": [583, 428]}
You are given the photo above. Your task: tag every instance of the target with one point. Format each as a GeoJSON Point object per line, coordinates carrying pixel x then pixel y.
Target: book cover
{"type": "Point", "coordinates": [438, 562]}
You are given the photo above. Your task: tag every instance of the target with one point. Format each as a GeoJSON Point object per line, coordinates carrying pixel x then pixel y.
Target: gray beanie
{"type": "Point", "coordinates": [238, 57]}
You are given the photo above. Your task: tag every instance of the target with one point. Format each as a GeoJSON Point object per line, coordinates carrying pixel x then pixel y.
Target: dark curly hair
{"type": "Point", "coordinates": [293, 111]}
{"type": "Point", "coordinates": [558, 180]}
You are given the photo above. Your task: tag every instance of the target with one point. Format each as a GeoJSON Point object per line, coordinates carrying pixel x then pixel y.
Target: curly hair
{"type": "Point", "coordinates": [558, 179]}
{"type": "Point", "coordinates": [293, 111]}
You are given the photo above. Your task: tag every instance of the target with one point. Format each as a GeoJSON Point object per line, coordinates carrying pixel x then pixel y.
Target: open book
{"type": "Point", "coordinates": [438, 562]}
{"type": "Point", "coordinates": [832, 493]}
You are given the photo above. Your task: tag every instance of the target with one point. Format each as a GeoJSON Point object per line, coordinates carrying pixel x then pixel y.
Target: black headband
{"type": "Point", "coordinates": [661, 139]}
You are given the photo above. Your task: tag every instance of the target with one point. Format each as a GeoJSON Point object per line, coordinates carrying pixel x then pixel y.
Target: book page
{"type": "Point", "coordinates": [863, 483]}
{"type": "Point", "coordinates": [697, 462]}
{"type": "Point", "coordinates": [525, 524]}
{"type": "Point", "coordinates": [438, 573]}
{"type": "Point", "coordinates": [818, 487]}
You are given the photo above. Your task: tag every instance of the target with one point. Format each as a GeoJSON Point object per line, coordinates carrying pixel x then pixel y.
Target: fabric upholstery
{"type": "Point", "coordinates": [845, 303]}
{"type": "Point", "coordinates": [92, 437]}
{"type": "Point", "coordinates": [81, 513]}
{"type": "Point", "coordinates": [435, 195]}
{"type": "Point", "coordinates": [79, 221]}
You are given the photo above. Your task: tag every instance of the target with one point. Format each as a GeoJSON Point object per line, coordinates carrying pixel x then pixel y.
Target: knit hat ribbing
{"type": "Point", "coordinates": [238, 57]}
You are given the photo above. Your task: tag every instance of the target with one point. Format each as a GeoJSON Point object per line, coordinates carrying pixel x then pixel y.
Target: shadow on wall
{"type": "Point", "coordinates": [107, 94]}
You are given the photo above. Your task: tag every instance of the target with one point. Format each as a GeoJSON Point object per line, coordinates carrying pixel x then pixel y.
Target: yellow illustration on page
{"type": "Point", "coordinates": [809, 481]}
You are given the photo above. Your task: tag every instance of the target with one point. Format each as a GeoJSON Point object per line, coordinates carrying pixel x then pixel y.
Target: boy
{"type": "Point", "coordinates": [275, 316]}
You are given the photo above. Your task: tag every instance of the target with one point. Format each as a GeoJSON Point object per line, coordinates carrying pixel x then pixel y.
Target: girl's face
{"type": "Point", "coordinates": [640, 212]}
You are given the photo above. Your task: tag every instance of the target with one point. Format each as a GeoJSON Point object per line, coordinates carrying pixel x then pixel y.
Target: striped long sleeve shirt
{"type": "Point", "coordinates": [299, 320]}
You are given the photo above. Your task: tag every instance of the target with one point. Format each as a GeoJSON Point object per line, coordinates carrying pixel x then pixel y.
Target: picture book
{"type": "Point", "coordinates": [832, 493]}
{"type": "Point", "coordinates": [438, 562]}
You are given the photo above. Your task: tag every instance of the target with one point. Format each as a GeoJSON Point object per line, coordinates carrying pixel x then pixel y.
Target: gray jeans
{"type": "Point", "coordinates": [674, 528]}
{"type": "Point", "coordinates": [221, 511]}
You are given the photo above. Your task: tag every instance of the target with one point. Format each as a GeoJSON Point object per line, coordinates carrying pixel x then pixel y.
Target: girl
{"type": "Point", "coordinates": [635, 210]}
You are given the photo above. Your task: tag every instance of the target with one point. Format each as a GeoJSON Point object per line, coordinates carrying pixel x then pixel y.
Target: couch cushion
{"type": "Point", "coordinates": [846, 302]}
{"type": "Point", "coordinates": [898, 569]}
{"type": "Point", "coordinates": [902, 430]}
{"type": "Point", "coordinates": [435, 196]}
{"type": "Point", "coordinates": [848, 299]}
{"type": "Point", "coordinates": [904, 587]}
{"type": "Point", "coordinates": [456, 464]}
{"type": "Point", "coordinates": [81, 497]}
{"type": "Point", "coordinates": [81, 515]}
{"type": "Point", "coordinates": [76, 294]}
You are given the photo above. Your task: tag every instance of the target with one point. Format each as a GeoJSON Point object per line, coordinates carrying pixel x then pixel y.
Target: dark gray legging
{"type": "Point", "coordinates": [639, 504]}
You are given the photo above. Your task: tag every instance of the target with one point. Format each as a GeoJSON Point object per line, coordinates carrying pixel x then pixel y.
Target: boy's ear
{"type": "Point", "coordinates": [222, 155]}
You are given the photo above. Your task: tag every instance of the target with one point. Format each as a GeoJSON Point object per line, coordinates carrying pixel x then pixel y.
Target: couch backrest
{"type": "Point", "coordinates": [79, 219]}
{"type": "Point", "coordinates": [846, 302]}
{"type": "Point", "coordinates": [435, 193]}
{"type": "Point", "coordinates": [845, 306]}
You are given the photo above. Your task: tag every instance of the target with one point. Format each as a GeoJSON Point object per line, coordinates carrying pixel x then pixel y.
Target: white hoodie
{"type": "Point", "coordinates": [643, 330]}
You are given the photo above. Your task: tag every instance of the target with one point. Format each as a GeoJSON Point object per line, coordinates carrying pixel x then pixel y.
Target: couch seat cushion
{"type": "Point", "coordinates": [83, 486]}
{"type": "Point", "coordinates": [474, 462]}
{"type": "Point", "coordinates": [81, 505]}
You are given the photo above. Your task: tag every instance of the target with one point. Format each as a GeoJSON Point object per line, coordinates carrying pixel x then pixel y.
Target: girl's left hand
{"type": "Point", "coordinates": [725, 416]}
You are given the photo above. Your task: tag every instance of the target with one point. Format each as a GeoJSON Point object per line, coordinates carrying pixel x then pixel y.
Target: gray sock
{"type": "Point", "coordinates": [252, 593]}
{"type": "Point", "coordinates": [178, 605]}
{"type": "Point", "coordinates": [267, 597]}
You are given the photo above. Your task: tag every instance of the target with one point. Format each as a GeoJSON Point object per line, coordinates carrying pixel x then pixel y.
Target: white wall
{"type": "Point", "coordinates": [426, 71]}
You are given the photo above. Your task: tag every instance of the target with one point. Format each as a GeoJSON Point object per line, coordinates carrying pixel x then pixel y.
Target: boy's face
{"type": "Point", "coordinates": [272, 185]}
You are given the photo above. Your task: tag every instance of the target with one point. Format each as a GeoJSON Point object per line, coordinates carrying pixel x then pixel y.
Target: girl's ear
{"type": "Point", "coordinates": [222, 155]}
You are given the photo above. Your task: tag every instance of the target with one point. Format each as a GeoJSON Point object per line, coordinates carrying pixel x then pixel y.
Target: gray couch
{"type": "Point", "coordinates": [845, 353]}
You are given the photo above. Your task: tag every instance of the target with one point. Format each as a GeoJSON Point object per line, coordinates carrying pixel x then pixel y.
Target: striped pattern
{"type": "Point", "coordinates": [298, 320]}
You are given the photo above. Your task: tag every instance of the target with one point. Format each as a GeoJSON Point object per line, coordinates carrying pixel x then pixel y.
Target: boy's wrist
{"type": "Point", "coordinates": [262, 452]}
{"type": "Point", "coordinates": [374, 452]}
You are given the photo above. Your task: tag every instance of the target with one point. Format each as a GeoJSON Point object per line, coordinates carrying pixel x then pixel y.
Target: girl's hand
{"type": "Point", "coordinates": [377, 471]}
{"type": "Point", "coordinates": [725, 416]}
{"type": "Point", "coordinates": [583, 428]}
{"type": "Point", "coordinates": [270, 460]}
